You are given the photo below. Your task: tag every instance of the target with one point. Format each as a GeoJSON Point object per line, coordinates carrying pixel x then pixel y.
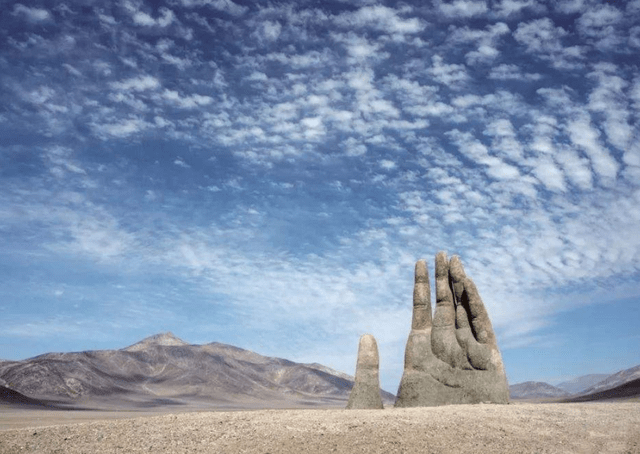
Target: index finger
{"type": "Point", "coordinates": [421, 297]}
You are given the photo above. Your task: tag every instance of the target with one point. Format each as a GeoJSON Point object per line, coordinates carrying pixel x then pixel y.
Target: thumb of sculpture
{"type": "Point", "coordinates": [366, 389]}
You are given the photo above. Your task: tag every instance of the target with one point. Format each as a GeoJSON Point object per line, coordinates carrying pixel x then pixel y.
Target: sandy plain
{"type": "Point", "coordinates": [601, 427]}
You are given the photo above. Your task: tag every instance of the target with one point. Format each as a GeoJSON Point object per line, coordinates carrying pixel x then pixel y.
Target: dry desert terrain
{"type": "Point", "coordinates": [601, 427]}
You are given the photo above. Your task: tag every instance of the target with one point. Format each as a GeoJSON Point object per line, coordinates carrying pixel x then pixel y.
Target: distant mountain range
{"type": "Point", "coordinates": [623, 384]}
{"type": "Point", "coordinates": [536, 390]}
{"type": "Point", "coordinates": [164, 370]}
{"type": "Point", "coordinates": [580, 384]}
{"type": "Point", "coordinates": [614, 380]}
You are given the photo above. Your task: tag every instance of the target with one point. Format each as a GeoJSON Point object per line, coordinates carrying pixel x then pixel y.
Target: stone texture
{"type": "Point", "coordinates": [452, 357]}
{"type": "Point", "coordinates": [366, 389]}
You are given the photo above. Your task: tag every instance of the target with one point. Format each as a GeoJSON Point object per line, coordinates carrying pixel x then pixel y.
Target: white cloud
{"type": "Point", "coordinates": [180, 63]}
{"type": "Point", "coordinates": [141, 18]}
{"type": "Point", "coordinates": [369, 99]}
{"type": "Point", "coordinates": [504, 139]}
{"type": "Point", "coordinates": [598, 21]}
{"type": "Point", "coordinates": [311, 58]}
{"type": "Point", "coordinates": [271, 30]}
{"type": "Point", "coordinates": [353, 147]}
{"type": "Point", "coordinates": [436, 109]}
{"type": "Point", "coordinates": [634, 36]}
{"type": "Point", "coordinates": [360, 49]}
{"type": "Point", "coordinates": [634, 94]}
{"type": "Point", "coordinates": [543, 38]}
{"type": "Point", "coordinates": [120, 128]}
{"type": "Point", "coordinates": [106, 19]}
{"type": "Point", "coordinates": [130, 100]}
{"type": "Point", "coordinates": [76, 225]}
{"type": "Point", "coordinates": [387, 164]}
{"type": "Point", "coordinates": [587, 138]}
{"type": "Point", "coordinates": [576, 168]}
{"type": "Point", "coordinates": [633, 6]}
{"type": "Point", "coordinates": [72, 70]}
{"type": "Point", "coordinates": [507, 71]}
{"type": "Point", "coordinates": [162, 122]}
{"type": "Point", "coordinates": [486, 40]}
{"type": "Point", "coordinates": [227, 6]}
{"type": "Point", "coordinates": [485, 54]}
{"type": "Point", "coordinates": [452, 75]}
{"type": "Point", "coordinates": [139, 83]}
{"type": "Point", "coordinates": [569, 6]}
{"type": "Point", "coordinates": [631, 158]}
{"type": "Point", "coordinates": [509, 7]}
{"type": "Point", "coordinates": [40, 95]}
{"type": "Point", "coordinates": [546, 162]}
{"type": "Point", "coordinates": [186, 102]}
{"type": "Point", "coordinates": [100, 238]}
{"type": "Point", "coordinates": [602, 23]}
{"type": "Point", "coordinates": [61, 162]}
{"type": "Point", "coordinates": [462, 8]}
{"type": "Point", "coordinates": [476, 151]}
{"type": "Point", "coordinates": [314, 128]}
{"type": "Point", "coordinates": [501, 101]}
{"type": "Point", "coordinates": [381, 18]}
{"type": "Point", "coordinates": [546, 170]}
{"type": "Point", "coordinates": [256, 76]}
{"type": "Point", "coordinates": [31, 14]}
{"type": "Point", "coordinates": [180, 163]}
{"type": "Point", "coordinates": [540, 35]}
{"type": "Point", "coordinates": [609, 97]}
{"type": "Point", "coordinates": [144, 19]}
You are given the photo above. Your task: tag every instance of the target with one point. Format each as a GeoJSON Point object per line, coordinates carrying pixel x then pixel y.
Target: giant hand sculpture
{"type": "Point", "coordinates": [453, 359]}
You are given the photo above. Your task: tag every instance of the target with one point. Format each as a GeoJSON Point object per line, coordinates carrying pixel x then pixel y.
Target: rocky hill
{"type": "Point", "coordinates": [164, 370]}
{"type": "Point", "coordinates": [577, 385]}
{"type": "Point", "coordinates": [627, 390]}
{"type": "Point", "coordinates": [614, 381]}
{"type": "Point", "coordinates": [623, 384]}
{"type": "Point", "coordinates": [535, 390]}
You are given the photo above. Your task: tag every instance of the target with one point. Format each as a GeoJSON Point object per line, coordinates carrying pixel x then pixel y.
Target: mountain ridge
{"type": "Point", "coordinates": [164, 370]}
{"type": "Point", "coordinates": [620, 384]}
{"type": "Point", "coordinates": [535, 390]}
{"type": "Point", "coordinates": [581, 383]}
{"type": "Point", "coordinates": [165, 338]}
{"type": "Point", "coordinates": [614, 380]}
{"type": "Point", "coordinates": [627, 390]}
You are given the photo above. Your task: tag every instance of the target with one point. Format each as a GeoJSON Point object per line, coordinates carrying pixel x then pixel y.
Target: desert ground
{"type": "Point", "coordinates": [520, 428]}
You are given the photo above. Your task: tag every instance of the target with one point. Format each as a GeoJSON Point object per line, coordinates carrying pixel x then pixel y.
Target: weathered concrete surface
{"type": "Point", "coordinates": [452, 358]}
{"type": "Point", "coordinates": [366, 389]}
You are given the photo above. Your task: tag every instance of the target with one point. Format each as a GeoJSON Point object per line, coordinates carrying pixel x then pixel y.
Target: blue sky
{"type": "Point", "coordinates": [266, 174]}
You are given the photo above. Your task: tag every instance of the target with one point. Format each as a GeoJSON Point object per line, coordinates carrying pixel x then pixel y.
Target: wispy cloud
{"type": "Point", "coordinates": [31, 14]}
{"type": "Point", "coordinates": [138, 83]}
{"type": "Point", "coordinates": [462, 8]}
{"type": "Point", "coordinates": [227, 6]}
{"type": "Point", "coordinates": [381, 18]}
{"type": "Point", "coordinates": [544, 39]}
